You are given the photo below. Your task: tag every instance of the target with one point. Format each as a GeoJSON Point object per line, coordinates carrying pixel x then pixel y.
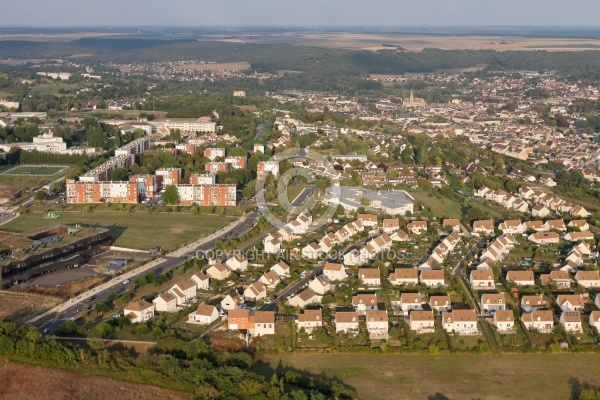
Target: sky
{"type": "Point", "coordinates": [300, 13]}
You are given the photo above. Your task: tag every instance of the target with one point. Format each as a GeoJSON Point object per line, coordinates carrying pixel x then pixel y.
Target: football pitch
{"type": "Point", "coordinates": [35, 170]}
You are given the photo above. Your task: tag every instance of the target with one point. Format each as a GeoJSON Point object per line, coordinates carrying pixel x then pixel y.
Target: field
{"type": "Point", "coordinates": [445, 207]}
{"type": "Point", "coordinates": [522, 376]}
{"type": "Point", "coordinates": [21, 381]}
{"type": "Point", "coordinates": [232, 66]}
{"type": "Point", "coordinates": [134, 230]}
{"type": "Point", "coordinates": [34, 170]}
{"type": "Point", "coordinates": [441, 207]}
{"type": "Point", "coordinates": [375, 41]}
{"type": "Point", "coordinates": [19, 307]}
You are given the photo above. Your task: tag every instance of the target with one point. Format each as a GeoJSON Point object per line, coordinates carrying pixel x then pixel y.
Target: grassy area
{"type": "Point", "coordinates": [508, 376]}
{"type": "Point", "coordinates": [134, 230]}
{"type": "Point", "coordinates": [293, 191]}
{"type": "Point", "coordinates": [53, 88]}
{"type": "Point", "coordinates": [441, 206]}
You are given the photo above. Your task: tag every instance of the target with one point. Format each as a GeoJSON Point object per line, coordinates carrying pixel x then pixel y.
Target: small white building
{"type": "Point", "coordinates": [139, 311]}
{"type": "Point", "coordinates": [204, 315]}
{"type": "Point", "coordinates": [504, 321]}
{"type": "Point", "coordinates": [346, 322]}
{"type": "Point", "coordinates": [463, 322]}
{"type": "Point", "coordinates": [166, 302]}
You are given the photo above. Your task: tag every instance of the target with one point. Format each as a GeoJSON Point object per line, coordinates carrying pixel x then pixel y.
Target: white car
{"type": "Point", "coordinates": [126, 281]}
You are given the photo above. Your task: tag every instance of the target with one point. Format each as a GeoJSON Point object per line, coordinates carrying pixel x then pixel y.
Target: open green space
{"type": "Point", "coordinates": [134, 230]}
{"type": "Point", "coordinates": [441, 206]}
{"type": "Point", "coordinates": [445, 207]}
{"type": "Point", "coordinates": [508, 376]}
{"type": "Point", "coordinates": [53, 88]}
{"type": "Point", "coordinates": [34, 170]}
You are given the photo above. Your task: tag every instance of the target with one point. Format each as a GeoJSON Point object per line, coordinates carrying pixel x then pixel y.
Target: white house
{"type": "Point", "coordinates": [368, 220]}
{"type": "Point", "coordinates": [166, 302]}
{"type": "Point", "coordinates": [237, 263]}
{"type": "Point", "coordinates": [202, 281]}
{"type": "Point", "coordinates": [184, 290]}
{"type": "Point", "coordinates": [262, 323]}
{"type": "Point", "coordinates": [370, 276]}
{"type": "Point", "coordinates": [504, 320]}
{"type": "Point", "coordinates": [588, 279]}
{"type": "Point", "coordinates": [521, 278]}
{"type": "Point", "coordinates": [463, 322]}
{"type": "Point", "coordinates": [334, 271]}
{"type": "Point", "coordinates": [404, 276]}
{"type": "Point", "coordinates": [270, 279]}
{"type": "Point", "coordinates": [579, 236]}
{"type": "Point", "coordinates": [571, 321]}
{"type": "Point", "coordinates": [272, 245]}
{"type": "Point", "coordinates": [422, 321]}
{"type": "Point", "coordinates": [346, 322]}
{"type": "Point", "coordinates": [320, 285]}
{"type": "Point", "coordinates": [540, 211]}
{"type": "Point", "coordinates": [540, 320]}
{"type": "Point", "coordinates": [491, 302]}
{"type": "Point", "coordinates": [570, 302]}
{"type": "Point", "coordinates": [440, 303]}
{"type": "Point", "coordinates": [377, 324]}
{"type": "Point", "coordinates": [311, 251]}
{"type": "Point", "coordinates": [204, 315]}
{"type": "Point", "coordinates": [411, 301]}
{"type": "Point", "coordinates": [305, 298]}
{"type": "Point", "coordinates": [595, 319]}
{"type": "Point", "coordinates": [580, 224]}
{"type": "Point", "coordinates": [281, 269]}
{"type": "Point", "coordinates": [533, 302]}
{"type": "Point", "coordinates": [482, 280]}
{"type": "Point", "coordinates": [309, 320]}
{"type": "Point", "coordinates": [433, 278]}
{"type": "Point", "coordinates": [233, 301]}
{"type": "Point", "coordinates": [139, 311]}
{"type": "Point", "coordinates": [256, 291]}
{"type": "Point", "coordinates": [364, 302]}
{"type": "Point", "coordinates": [391, 225]}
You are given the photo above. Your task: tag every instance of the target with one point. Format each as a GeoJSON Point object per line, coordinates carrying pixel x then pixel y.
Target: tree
{"type": "Point", "coordinates": [67, 328]}
{"type": "Point", "coordinates": [40, 195]}
{"type": "Point", "coordinates": [170, 196]}
{"type": "Point", "coordinates": [104, 329]}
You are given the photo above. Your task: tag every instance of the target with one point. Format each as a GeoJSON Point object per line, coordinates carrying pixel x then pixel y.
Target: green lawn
{"type": "Point", "coordinates": [444, 207]}
{"type": "Point", "coordinates": [508, 376]}
{"type": "Point", "coordinates": [440, 207]}
{"type": "Point", "coordinates": [136, 230]}
{"type": "Point", "coordinates": [53, 88]}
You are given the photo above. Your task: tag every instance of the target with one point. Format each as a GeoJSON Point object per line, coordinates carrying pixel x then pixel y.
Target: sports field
{"type": "Point", "coordinates": [138, 230]}
{"type": "Point", "coordinates": [34, 170]}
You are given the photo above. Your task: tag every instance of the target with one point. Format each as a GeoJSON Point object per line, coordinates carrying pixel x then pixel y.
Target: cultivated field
{"type": "Point", "coordinates": [518, 376]}
{"type": "Point", "coordinates": [21, 381]}
{"type": "Point", "coordinates": [374, 42]}
{"type": "Point", "coordinates": [34, 170]}
{"type": "Point", "coordinates": [131, 229]}
{"type": "Point", "coordinates": [232, 66]}
{"type": "Point", "coordinates": [19, 307]}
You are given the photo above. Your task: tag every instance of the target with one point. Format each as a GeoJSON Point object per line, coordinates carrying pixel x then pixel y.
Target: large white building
{"type": "Point", "coordinates": [393, 202]}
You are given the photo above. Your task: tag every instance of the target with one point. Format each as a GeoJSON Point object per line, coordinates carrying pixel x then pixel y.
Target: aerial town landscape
{"type": "Point", "coordinates": [347, 211]}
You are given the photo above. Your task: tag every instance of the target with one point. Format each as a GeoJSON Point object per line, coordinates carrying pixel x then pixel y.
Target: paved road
{"type": "Point", "coordinates": [291, 289]}
{"type": "Point", "coordinates": [70, 309]}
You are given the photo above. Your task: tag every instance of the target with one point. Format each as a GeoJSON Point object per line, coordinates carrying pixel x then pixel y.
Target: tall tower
{"type": "Point", "coordinates": [411, 99]}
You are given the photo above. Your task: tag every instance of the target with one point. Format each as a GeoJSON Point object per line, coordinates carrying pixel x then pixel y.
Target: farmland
{"type": "Point", "coordinates": [509, 376]}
